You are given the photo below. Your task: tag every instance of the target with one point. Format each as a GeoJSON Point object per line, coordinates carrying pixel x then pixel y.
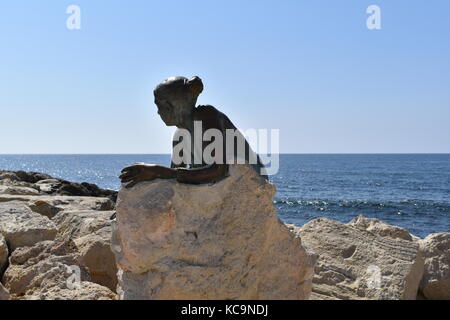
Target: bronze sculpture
{"type": "Point", "coordinates": [176, 101]}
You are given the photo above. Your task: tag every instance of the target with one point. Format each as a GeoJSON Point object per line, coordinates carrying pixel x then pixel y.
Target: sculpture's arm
{"type": "Point", "coordinates": [211, 118]}
{"type": "Point", "coordinates": [141, 172]}
{"type": "Point", "coordinates": [174, 166]}
{"type": "Point", "coordinates": [134, 174]}
{"type": "Point", "coordinates": [207, 174]}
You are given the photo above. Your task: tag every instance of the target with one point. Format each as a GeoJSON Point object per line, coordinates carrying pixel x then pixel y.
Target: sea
{"type": "Point", "coordinates": [407, 190]}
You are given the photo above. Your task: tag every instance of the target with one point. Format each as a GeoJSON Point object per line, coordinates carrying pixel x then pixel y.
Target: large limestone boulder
{"type": "Point", "coordinates": [95, 253]}
{"type": "Point", "coordinates": [436, 278]}
{"type": "Point", "coordinates": [220, 241]}
{"type": "Point", "coordinates": [38, 267]}
{"type": "Point", "coordinates": [358, 264]}
{"type": "Point", "coordinates": [380, 228]}
{"type": "Point", "coordinates": [51, 270]}
{"type": "Point", "coordinates": [91, 233]}
{"type": "Point", "coordinates": [79, 223]}
{"type": "Point", "coordinates": [22, 227]}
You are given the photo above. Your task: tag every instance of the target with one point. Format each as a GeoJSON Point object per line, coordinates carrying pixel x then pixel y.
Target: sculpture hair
{"type": "Point", "coordinates": [179, 84]}
{"type": "Point", "coordinates": [196, 85]}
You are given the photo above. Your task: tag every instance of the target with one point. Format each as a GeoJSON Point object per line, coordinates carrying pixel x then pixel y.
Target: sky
{"type": "Point", "coordinates": [310, 68]}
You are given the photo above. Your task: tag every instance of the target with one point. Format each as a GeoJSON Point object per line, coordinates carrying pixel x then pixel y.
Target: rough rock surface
{"type": "Point", "coordinates": [45, 184]}
{"type": "Point", "coordinates": [3, 254]}
{"type": "Point", "coordinates": [4, 294]}
{"type": "Point", "coordinates": [91, 233]}
{"type": "Point", "coordinates": [51, 270]}
{"type": "Point", "coordinates": [220, 241]}
{"type": "Point", "coordinates": [85, 291]}
{"type": "Point", "coordinates": [22, 227]}
{"type": "Point", "coordinates": [436, 279]}
{"type": "Point", "coordinates": [358, 264]}
{"type": "Point", "coordinates": [37, 268]}
{"type": "Point", "coordinates": [53, 228]}
{"type": "Point", "coordinates": [14, 190]}
{"type": "Point", "coordinates": [380, 228]}
{"type": "Point", "coordinates": [51, 205]}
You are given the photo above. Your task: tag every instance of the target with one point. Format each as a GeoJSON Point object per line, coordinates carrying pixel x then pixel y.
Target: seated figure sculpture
{"type": "Point", "coordinates": [176, 100]}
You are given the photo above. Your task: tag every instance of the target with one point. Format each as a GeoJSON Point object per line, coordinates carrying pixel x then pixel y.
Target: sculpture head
{"type": "Point", "coordinates": [176, 98]}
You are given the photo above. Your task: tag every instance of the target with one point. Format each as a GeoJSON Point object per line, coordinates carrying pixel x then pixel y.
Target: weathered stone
{"type": "Point", "coordinates": [85, 291]}
{"type": "Point", "coordinates": [357, 264]}
{"type": "Point", "coordinates": [49, 185]}
{"type": "Point", "coordinates": [220, 241]}
{"type": "Point", "coordinates": [91, 232]}
{"type": "Point", "coordinates": [380, 228]}
{"type": "Point", "coordinates": [76, 224]}
{"type": "Point", "coordinates": [15, 190]}
{"type": "Point", "coordinates": [22, 227]}
{"type": "Point", "coordinates": [67, 203]}
{"type": "Point", "coordinates": [5, 175]}
{"type": "Point", "coordinates": [95, 253]}
{"type": "Point", "coordinates": [436, 278]}
{"type": "Point", "coordinates": [21, 184]}
{"type": "Point", "coordinates": [31, 177]}
{"type": "Point", "coordinates": [44, 208]}
{"type": "Point", "coordinates": [67, 188]}
{"type": "Point", "coordinates": [51, 270]}
{"type": "Point", "coordinates": [31, 266]}
{"type": "Point", "coordinates": [318, 296]}
{"type": "Point", "coordinates": [4, 253]}
{"type": "Point", "coordinates": [4, 293]}
{"type": "Point", "coordinates": [80, 227]}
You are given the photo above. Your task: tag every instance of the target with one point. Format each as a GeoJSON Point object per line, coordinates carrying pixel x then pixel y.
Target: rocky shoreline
{"type": "Point", "coordinates": [53, 233]}
{"type": "Point", "coordinates": [55, 243]}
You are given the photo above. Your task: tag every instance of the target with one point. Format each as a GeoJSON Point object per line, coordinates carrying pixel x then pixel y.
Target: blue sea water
{"type": "Point", "coordinates": [408, 190]}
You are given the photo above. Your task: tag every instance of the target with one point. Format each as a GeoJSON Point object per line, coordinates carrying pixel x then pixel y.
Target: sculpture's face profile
{"type": "Point", "coordinates": [167, 111]}
{"type": "Point", "coordinates": [176, 98]}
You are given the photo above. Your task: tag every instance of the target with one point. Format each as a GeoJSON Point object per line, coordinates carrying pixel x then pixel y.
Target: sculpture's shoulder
{"type": "Point", "coordinates": [207, 111]}
{"type": "Point", "coordinates": [212, 117]}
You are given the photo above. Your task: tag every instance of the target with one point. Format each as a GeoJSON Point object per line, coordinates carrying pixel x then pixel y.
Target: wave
{"type": "Point", "coordinates": [405, 206]}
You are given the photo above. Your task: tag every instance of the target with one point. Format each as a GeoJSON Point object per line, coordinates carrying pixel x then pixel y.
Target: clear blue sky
{"type": "Point", "coordinates": [308, 67]}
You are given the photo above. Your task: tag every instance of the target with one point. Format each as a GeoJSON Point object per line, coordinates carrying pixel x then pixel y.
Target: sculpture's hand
{"type": "Point", "coordinates": [141, 172]}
